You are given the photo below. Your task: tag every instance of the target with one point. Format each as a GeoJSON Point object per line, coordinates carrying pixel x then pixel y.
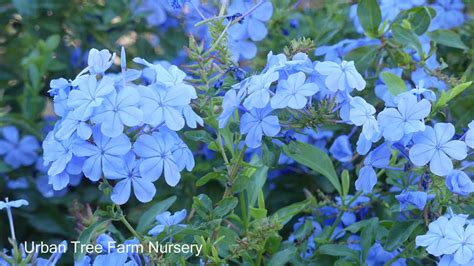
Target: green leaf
{"type": "Point", "coordinates": [148, 217]}
{"type": "Point", "coordinates": [338, 251]}
{"type": "Point", "coordinates": [406, 38]}
{"type": "Point", "coordinates": [270, 153]}
{"type": "Point", "coordinates": [208, 177]}
{"type": "Point", "coordinates": [282, 257]}
{"type": "Point", "coordinates": [345, 183]}
{"type": "Point", "coordinates": [258, 213]}
{"type": "Point", "coordinates": [315, 159]}
{"type": "Point", "coordinates": [362, 56]}
{"type": "Point", "coordinates": [368, 12]}
{"type": "Point", "coordinates": [447, 38]}
{"type": "Point", "coordinates": [285, 214]}
{"type": "Point", "coordinates": [356, 227]}
{"type": "Point", "coordinates": [399, 233]}
{"type": "Point", "coordinates": [87, 235]}
{"type": "Point", "coordinates": [203, 205]}
{"type": "Point", "coordinates": [419, 18]}
{"type": "Point", "coordinates": [394, 84]}
{"type": "Point", "coordinates": [273, 243]}
{"type": "Point", "coordinates": [257, 180]}
{"type": "Point", "coordinates": [199, 135]}
{"type": "Point", "coordinates": [304, 231]}
{"type": "Point", "coordinates": [225, 206]}
{"type": "Point", "coordinates": [52, 42]}
{"type": "Point", "coordinates": [367, 237]}
{"type": "Point", "coordinates": [450, 94]}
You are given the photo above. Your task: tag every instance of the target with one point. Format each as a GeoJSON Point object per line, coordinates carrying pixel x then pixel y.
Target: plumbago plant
{"type": "Point", "coordinates": [354, 151]}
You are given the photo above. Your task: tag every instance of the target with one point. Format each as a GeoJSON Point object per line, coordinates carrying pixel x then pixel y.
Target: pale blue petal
{"type": "Point", "coordinates": [121, 192]}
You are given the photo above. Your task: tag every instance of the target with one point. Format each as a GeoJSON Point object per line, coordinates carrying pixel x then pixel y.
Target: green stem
{"type": "Point", "coordinates": [130, 228]}
{"type": "Point", "coordinates": [243, 206]}
{"type": "Point", "coordinates": [339, 216]}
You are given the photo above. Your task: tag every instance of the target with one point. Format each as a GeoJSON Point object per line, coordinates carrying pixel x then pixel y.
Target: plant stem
{"type": "Point", "coordinates": [128, 225]}
{"type": "Point", "coordinates": [339, 216]}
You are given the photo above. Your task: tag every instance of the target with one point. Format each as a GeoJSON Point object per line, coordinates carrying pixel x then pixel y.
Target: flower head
{"type": "Point", "coordinates": [104, 155]}
{"type": "Point", "coordinates": [118, 109]}
{"type": "Point", "coordinates": [362, 114]}
{"type": "Point", "coordinates": [416, 198]}
{"type": "Point", "coordinates": [256, 123]}
{"type": "Point", "coordinates": [99, 61]}
{"type": "Point", "coordinates": [343, 76]}
{"type": "Point", "coordinates": [434, 146]}
{"type": "Point", "coordinates": [406, 119]}
{"type": "Point", "coordinates": [166, 219]}
{"type": "Point", "coordinates": [156, 151]}
{"type": "Point", "coordinates": [91, 94]}
{"type": "Point", "coordinates": [129, 177]}
{"type": "Point", "coordinates": [458, 182]}
{"type": "Point", "coordinates": [293, 92]}
{"type": "Point", "coordinates": [253, 25]}
{"type": "Point", "coordinates": [18, 152]}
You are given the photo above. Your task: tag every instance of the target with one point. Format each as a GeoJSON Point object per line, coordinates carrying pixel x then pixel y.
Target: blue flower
{"type": "Point", "coordinates": [156, 150]}
{"type": "Point", "coordinates": [143, 188]}
{"type": "Point", "coordinates": [379, 256]}
{"type": "Point", "coordinates": [434, 145]}
{"type": "Point", "coordinates": [434, 240]}
{"type": "Point", "coordinates": [58, 85]}
{"type": "Point", "coordinates": [90, 94]}
{"type": "Point", "coordinates": [470, 135]}
{"type": "Point", "coordinates": [241, 48]}
{"type": "Point", "coordinates": [155, 11]}
{"type": "Point", "coordinates": [18, 152]}
{"type": "Point", "coordinates": [362, 114]}
{"type": "Point", "coordinates": [316, 230]}
{"type": "Point", "coordinates": [258, 89]}
{"type": "Point", "coordinates": [99, 61]}
{"type": "Point", "coordinates": [429, 81]}
{"type": "Point", "coordinates": [256, 123]}
{"type": "Point", "coordinates": [170, 76]}
{"type": "Point", "coordinates": [182, 154]}
{"type": "Point", "coordinates": [71, 124]}
{"type": "Point", "coordinates": [105, 154]}
{"type": "Point", "coordinates": [192, 119]}
{"type": "Point", "coordinates": [165, 220]}
{"type": "Point", "coordinates": [162, 106]}
{"type": "Point", "coordinates": [379, 158]}
{"type": "Point", "coordinates": [230, 102]}
{"type": "Point", "coordinates": [293, 92]}
{"type": "Point", "coordinates": [118, 109]}
{"type": "Point", "coordinates": [341, 149]}
{"type": "Point", "coordinates": [7, 205]}
{"type": "Point", "coordinates": [112, 258]}
{"type": "Point", "coordinates": [12, 204]}
{"type": "Point", "coordinates": [343, 76]}
{"type": "Point", "coordinates": [416, 198]}
{"type": "Point", "coordinates": [406, 119]}
{"type": "Point", "coordinates": [449, 14]}
{"type": "Point", "coordinates": [449, 236]}
{"type": "Point", "coordinates": [60, 102]}
{"type": "Point", "coordinates": [57, 152]}
{"type": "Point", "coordinates": [458, 182]}
{"type": "Point", "coordinates": [253, 25]}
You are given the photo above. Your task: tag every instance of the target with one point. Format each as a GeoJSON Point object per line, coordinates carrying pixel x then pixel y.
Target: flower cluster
{"type": "Point", "coordinates": [450, 237]}
{"type": "Point", "coordinates": [113, 128]}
